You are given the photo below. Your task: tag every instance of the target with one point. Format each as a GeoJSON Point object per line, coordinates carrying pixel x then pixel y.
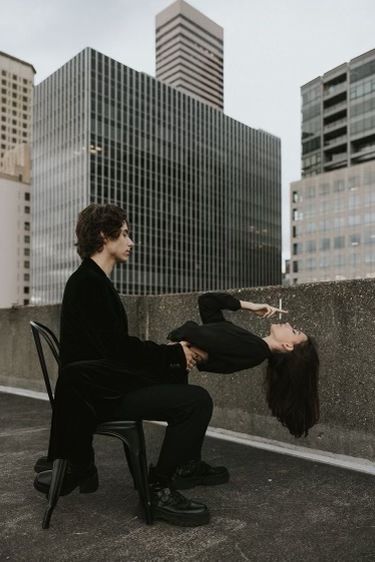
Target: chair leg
{"type": "Point", "coordinates": [58, 473]}
{"type": "Point", "coordinates": [141, 479]}
{"type": "Point", "coordinates": [129, 460]}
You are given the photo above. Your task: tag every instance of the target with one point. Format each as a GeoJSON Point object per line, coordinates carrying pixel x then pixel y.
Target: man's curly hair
{"type": "Point", "coordinates": [94, 222]}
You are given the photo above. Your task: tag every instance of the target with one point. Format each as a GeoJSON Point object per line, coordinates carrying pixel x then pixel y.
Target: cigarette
{"type": "Point", "coordinates": [280, 307]}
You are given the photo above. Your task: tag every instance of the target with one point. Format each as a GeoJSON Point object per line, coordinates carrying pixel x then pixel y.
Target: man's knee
{"type": "Point", "coordinates": [202, 398]}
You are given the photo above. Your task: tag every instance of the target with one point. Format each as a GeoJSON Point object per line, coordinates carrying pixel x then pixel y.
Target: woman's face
{"type": "Point", "coordinates": [286, 334]}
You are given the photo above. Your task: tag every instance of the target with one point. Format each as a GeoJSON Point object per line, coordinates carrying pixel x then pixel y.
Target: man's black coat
{"type": "Point", "coordinates": [94, 326]}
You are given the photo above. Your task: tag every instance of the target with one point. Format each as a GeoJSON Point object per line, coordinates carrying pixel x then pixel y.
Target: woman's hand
{"type": "Point", "coordinates": [189, 355]}
{"type": "Point", "coordinates": [262, 310]}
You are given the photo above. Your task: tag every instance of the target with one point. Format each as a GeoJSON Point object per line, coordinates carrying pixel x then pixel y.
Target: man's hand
{"type": "Point", "coordinates": [189, 355]}
{"type": "Point", "coordinates": [262, 310]}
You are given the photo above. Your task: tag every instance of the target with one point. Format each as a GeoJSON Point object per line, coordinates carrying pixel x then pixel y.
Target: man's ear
{"type": "Point", "coordinates": [287, 347]}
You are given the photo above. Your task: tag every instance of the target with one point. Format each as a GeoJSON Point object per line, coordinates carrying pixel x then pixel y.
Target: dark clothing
{"type": "Point", "coordinates": [229, 347]}
{"type": "Point", "coordinates": [94, 325]}
{"type": "Point", "coordinates": [106, 374]}
{"type": "Point", "coordinates": [91, 392]}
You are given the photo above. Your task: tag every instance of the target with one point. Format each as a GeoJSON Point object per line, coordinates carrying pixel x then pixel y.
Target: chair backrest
{"type": "Point", "coordinates": [39, 331]}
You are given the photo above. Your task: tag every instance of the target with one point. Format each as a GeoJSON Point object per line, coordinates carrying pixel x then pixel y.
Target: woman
{"type": "Point", "coordinates": [293, 363]}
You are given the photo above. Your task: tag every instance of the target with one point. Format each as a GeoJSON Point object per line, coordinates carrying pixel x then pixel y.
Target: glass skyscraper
{"type": "Point", "coordinates": [202, 191]}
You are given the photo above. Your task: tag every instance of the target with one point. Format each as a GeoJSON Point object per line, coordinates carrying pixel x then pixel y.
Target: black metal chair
{"type": "Point", "coordinates": [129, 432]}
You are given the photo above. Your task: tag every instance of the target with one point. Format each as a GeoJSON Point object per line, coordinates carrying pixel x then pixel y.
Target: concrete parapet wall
{"type": "Point", "coordinates": [340, 315]}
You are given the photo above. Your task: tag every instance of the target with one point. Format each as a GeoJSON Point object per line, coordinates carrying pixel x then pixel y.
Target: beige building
{"type": "Point", "coordinates": [190, 53]}
{"type": "Point", "coordinates": [14, 241]}
{"type": "Point", "coordinates": [333, 225]}
{"type": "Point", "coordinates": [17, 79]}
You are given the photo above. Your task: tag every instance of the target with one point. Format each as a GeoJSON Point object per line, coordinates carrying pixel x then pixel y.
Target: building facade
{"type": "Point", "coordinates": [333, 225]}
{"type": "Point", "coordinates": [17, 80]}
{"type": "Point", "coordinates": [333, 206]}
{"type": "Point", "coordinates": [202, 191]}
{"type": "Point", "coordinates": [190, 53]}
{"type": "Point", "coordinates": [338, 117]}
{"type": "Point", "coordinates": [14, 241]}
{"type": "Point", "coordinates": [16, 84]}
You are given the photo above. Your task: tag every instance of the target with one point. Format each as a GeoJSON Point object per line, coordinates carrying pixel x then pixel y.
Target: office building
{"type": "Point", "coordinates": [14, 240]}
{"type": "Point", "coordinates": [202, 190]}
{"type": "Point", "coordinates": [333, 206]}
{"type": "Point", "coordinates": [190, 53]}
{"type": "Point", "coordinates": [338, 117]}
{"type": "Point", "coordinates": [17, 78]}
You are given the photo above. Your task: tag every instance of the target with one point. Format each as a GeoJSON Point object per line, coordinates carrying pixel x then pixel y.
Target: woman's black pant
{"type": "Point", "coordinates": [90, 392]}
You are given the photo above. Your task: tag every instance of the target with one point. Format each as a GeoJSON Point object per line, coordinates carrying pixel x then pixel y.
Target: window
{"type": "Point", "coordinates": [26, 290]}
{"type": "Point", "coordinates": [339, 185]}
{"type": "Point", "coordinates": [355, 239]}
{"type": "Point", "coordinates": [294, 231]}
{"type": "Point", "coordinates": [26, 264]}
{"type": "Point", "coordinates": [325, 244]}
{"type": "Point", "coordinates": [295, 197]}
{"type": "Point", "coordinates": [27, 196]}
{"type": "Point", "coordinates": [26, 276]}
{"type": "Point", "coordinates": [339, 242]}
{"type": "Point", "coordinates": [295, 267]}
{"type": "Point", "coordinates": [26, 239]}
{"type": "Point", "coordinates": [311, 246]}
{"type": "Point", "coordinates": [27, 226]}
{"type": "Point", "coordinates": [27, 210]}
{"type": "Point", "coordinates": [310, 191]}
{"type": "Point", "coordinates": [25, 302]}
{"type": "Point", "coordinates": [26, 251]}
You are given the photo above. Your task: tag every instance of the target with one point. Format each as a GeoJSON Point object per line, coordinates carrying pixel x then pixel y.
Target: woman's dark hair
{"type": "Point", "coordinates": [92, 222]}
{"type": "Point", "coordinates": [292, 387]}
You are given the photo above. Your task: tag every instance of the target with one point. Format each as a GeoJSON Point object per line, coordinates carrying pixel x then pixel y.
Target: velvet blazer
{"type": "Point", "coordinates": [94, 326]}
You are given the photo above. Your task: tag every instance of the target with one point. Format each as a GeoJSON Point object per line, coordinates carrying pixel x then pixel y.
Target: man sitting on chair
{"type": "Point", "coordinates": [106, 374]}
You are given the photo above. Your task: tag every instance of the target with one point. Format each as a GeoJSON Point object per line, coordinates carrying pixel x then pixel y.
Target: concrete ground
{"type": "Point", "coordinates": [275, 508]}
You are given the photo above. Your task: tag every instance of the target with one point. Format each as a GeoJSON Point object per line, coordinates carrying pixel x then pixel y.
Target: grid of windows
{"type": "Point", "coordinates": [201, 190]}
{"type": "Point", "coordinates": [338, 117]}
{"type": "Point", "coordinates": [189, 53]}
{"type": "Point", "coordinates": [335, 215]}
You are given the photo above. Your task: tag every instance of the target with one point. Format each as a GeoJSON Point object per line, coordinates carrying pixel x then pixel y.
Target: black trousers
{"type": "Point", "coordinates": [94, 391]}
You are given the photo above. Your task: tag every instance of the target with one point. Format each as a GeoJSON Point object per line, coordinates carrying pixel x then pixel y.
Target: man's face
{"type": "Point", "coordinates": [286, 334]}
{"type": "Point", "coordinates": [120, 248]}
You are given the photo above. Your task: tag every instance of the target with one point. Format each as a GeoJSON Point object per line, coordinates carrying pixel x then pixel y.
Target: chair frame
{"type": "Point", "coordinates": [128, 431]}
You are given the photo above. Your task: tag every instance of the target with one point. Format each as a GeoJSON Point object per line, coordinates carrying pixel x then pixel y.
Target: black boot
{"type": "Point", "coordinates": [171, 506]}
{"type": "Point", "coordinates": [196, 472]}
{"type": "Point", "coordinates": [42, 464]}
{"type": "Point", "coordinates": [86, 477]}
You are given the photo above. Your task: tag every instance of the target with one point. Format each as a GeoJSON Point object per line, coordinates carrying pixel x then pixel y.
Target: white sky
{"type": "Point", "coordinates": [271, 48]}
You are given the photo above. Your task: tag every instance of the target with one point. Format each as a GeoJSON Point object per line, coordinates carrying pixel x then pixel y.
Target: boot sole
{"type": "Point", "coordinates": [182, 484]}
{"type": "Point", "coordinates": [88, 486]}
{"type": "Point", "coordinates": [181, 521]}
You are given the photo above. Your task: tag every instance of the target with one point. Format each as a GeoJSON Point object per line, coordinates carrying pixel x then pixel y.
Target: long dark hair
{"type": "Point", "coordinates": [292, 387]}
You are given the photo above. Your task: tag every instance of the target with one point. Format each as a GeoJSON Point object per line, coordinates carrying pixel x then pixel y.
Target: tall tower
{"type": "Point", "coordinates": [17, 78]}
{"type": "Point", "coordinates": [189, 53]}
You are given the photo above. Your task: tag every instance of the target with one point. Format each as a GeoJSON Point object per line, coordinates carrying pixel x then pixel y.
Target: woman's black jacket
{"type": "Point", "coordinates": [229, 347]}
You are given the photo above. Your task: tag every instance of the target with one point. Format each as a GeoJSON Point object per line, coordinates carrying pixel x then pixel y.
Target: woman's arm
{"type": "Point", "coordinates": [262, 310]}
{"type": "Point", "coordinates": [212, 304]}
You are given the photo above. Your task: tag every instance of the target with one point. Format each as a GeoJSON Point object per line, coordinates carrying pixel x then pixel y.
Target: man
{"type": "Point", "coordinates": [107, 374]}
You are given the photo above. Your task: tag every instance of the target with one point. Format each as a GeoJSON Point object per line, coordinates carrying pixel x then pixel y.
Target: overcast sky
{"type": "Point", "coordinates": [271, 48]}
